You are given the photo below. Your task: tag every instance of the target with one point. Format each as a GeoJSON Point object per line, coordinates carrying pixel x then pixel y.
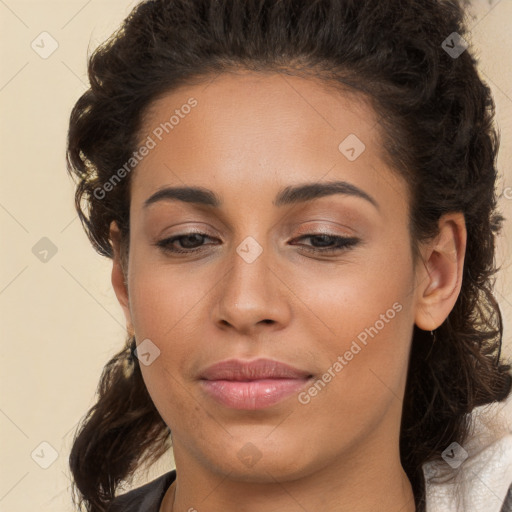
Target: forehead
{"type": "Point", "coordinates": [252, 102]}
{"type": "Point", "coordinates": [254, 129]}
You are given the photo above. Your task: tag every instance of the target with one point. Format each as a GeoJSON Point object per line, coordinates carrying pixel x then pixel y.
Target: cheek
{"type": "Point", "coordinates": [165, 306]}
{"type": "Point", "coordinates": [370, 291]}
{"type": "Point", "coordinates": [365, 368]}
{"type": "Point", "coordinates": [162, 298]}
{"type": "Point", "coordinates": [170, 397]}
{"type": "Point", "coordinates": [366, 326]}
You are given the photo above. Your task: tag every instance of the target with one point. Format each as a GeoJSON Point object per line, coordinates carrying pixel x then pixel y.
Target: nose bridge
{"type": "Point", "coordinates": [249, 279]}
{"type": "Point", "coordinates": [250, 292]}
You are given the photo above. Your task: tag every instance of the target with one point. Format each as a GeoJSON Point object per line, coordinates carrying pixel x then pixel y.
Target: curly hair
{"type": "Point", "coordinates": [436, 119]}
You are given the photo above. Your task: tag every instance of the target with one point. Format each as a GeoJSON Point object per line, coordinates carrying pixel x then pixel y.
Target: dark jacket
{"type": "Point", "coordinates": [146, 498]}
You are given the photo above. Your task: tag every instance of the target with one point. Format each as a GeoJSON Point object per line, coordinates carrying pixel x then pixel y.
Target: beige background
{"type": "Point", "coordinates": [60, 321]}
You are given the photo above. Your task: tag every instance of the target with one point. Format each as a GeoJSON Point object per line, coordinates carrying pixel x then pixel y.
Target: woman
{"type": "Point", "coordinates": [298, 199]}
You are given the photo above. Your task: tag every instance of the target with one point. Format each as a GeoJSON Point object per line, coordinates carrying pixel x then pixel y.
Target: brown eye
{"type": "Point", "coordinates": [329, 243]}
{"type": "Point", "coordinates": [190, 242]}
{"type": "Point", "coordinates": [322, 243]}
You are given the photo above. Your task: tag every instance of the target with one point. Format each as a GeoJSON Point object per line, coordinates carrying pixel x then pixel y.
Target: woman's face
{"type": "Point", "coordinates": [251, 285]}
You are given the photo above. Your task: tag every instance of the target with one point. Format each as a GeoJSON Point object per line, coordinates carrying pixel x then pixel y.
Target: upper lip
{"type": "Point", "coordinates": [238, 370]}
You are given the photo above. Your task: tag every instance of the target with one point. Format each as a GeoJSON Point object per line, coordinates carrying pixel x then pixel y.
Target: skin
{"type": "Point", "coordinates": [250, 136]}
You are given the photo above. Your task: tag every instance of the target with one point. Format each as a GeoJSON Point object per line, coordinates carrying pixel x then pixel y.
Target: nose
{"type": "Point", "coordinates": [252, 294]}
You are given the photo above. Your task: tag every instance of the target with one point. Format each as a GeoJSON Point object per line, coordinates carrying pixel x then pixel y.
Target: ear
{"type": "Point", "coordinates": [439, 274]}
{"type": "Point", "coordinates": [119, 275]}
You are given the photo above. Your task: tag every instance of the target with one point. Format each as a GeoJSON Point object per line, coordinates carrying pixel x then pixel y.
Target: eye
{"type": "Point", "coordinates": [191, 243]}
{"type": "Point", "coordinates": [326, 242]}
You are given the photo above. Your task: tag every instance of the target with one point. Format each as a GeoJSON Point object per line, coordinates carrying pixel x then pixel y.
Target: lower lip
{"type": "Point", "coordinates": [255, 394]}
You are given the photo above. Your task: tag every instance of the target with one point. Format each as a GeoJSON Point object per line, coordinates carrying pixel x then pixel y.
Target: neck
{"type": "Point", "coordinates": [344, 488]}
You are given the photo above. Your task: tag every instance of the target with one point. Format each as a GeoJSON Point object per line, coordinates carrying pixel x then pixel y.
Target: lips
{"type": "Point", "coordinates": [236, 370]}
{"type": "Point", "coordinates": [252, 385]}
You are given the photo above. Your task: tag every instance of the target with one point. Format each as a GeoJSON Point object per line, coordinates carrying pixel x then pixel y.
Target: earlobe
{"type": "Point", "coordinates": [119, 275]}
{"type": "Point", "coordinates": [439, 275]}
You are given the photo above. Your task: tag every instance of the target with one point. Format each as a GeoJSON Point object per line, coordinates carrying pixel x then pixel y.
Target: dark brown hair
{"type": "Point", "coordinates": [436, 123]}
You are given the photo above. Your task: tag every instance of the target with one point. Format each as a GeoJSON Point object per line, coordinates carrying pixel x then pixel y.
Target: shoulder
{"type": "Point", "coordinates": [480, 481]}
{"type": "Point", "coordinates": [146, 498]}
{"type": "Point", "coordinates": [507, 504]}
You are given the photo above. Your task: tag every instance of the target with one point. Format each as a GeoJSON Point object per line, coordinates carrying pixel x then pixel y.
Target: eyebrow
{"type": "Point", "coordinates": [289, 195]}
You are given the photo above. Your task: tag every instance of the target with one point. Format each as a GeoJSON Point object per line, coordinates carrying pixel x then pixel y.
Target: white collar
{"type": "Point", "coordinates": [481, 481]}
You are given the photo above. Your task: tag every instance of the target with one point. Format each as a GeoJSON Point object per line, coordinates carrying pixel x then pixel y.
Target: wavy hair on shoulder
{"type": "Point", "coordinates": [436, 118]}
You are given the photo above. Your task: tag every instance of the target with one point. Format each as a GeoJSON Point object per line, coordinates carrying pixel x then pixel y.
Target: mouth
{"type": "Point", "coordinates": [252, 385]}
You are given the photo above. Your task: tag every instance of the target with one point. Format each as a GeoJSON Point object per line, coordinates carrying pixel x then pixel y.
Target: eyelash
{"type": "Point", "coordinates": [342, 243]}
